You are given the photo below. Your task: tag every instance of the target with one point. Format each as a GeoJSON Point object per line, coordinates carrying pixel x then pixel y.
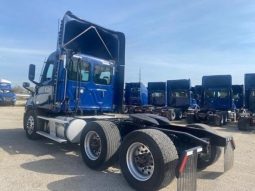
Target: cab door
{"type": "Point", "coordinates": [45, 91]}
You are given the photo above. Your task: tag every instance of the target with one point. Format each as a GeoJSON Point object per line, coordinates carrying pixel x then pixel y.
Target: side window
{"type": "Point", "coordinates": [78, 70]}
{"type": "Point", "coordinates": [49, 73]}
{"type": "Point", "coordinates": [103, 74]}
{"type": "Point", "coordinates": [85, 72]}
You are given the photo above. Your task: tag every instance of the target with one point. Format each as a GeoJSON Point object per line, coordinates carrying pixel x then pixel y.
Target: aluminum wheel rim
{"type": "Point", "coordinates": [140, 161]}
{"type": "Point", "coordinates": [30, 125]}
{"type": "Point", "coordinates": [92, 145]}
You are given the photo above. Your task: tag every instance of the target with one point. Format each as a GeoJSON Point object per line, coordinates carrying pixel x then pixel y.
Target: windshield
{"type": "Point", "coordinates": [135, 92]}
{"type": "Point", "coordinates": [78, 70]}
{"type": "Point", "coordinates": [157, 98]}
{"type": "Point", "coordinates": [103, 74]}
{"type": "Point", "coordinates": [5, 91]}
{"type": "Point", "coordinates": [221, 94]}
{"type": "Point", "coordinates": [179, 94]}
{"type": "Point", "coordinates": [252, 94]}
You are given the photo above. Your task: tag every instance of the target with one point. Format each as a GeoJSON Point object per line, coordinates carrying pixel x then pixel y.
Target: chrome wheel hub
{"type": "Point", "coordinates": [92, 145]}
{"type": "Point", "coordinates": [140, 161]}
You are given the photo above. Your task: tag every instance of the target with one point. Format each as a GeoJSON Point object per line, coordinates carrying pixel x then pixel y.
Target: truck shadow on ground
{"type": "Point", "coordinates": [209, 175]}
{"type": "Point", "coordinates": [60, 159]}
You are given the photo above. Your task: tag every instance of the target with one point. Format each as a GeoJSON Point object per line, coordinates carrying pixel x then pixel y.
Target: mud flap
{"type": "Point", "coordinates": [187, 170]}
{"type": "Point", "coordinates": [229, 154]}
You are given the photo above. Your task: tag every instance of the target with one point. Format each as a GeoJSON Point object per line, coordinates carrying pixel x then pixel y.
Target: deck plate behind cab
{"type": "Point", "coordinates": [144, 118]}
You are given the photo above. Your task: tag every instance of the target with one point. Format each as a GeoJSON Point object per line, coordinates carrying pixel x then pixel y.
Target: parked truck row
{"type": "Point", "coordinates": [79, 100]}
{"type": "Point", "coordinates": [170, 99]}
{"type": "Point", "coordinates": [216, 102]}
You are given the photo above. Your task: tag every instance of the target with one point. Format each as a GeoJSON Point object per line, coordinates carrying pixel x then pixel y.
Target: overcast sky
{"type": "Point", "coordinates": [167, 39]}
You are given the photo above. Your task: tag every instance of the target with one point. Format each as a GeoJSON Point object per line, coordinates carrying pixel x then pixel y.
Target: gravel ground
{"type": "Point", "coordinates": [44, 165]}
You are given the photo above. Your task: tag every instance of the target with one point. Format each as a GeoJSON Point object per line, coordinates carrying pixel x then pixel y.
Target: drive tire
{"type": "Point", "coordinates": [190, 118]}
{"type": "Point", "coordinates": [244, 124]}
{"type": "Point", "coordinates": [215, 151]}
{"type": "Point", "coordinates": [219, 120]}
{"type": "Point", "coordinates": [179, 115]}
{"type": "Point", "coordinates": [171, 115]}
{"type": "Point", "coordinates": [160, 148]}
{"type": "Point", "coordinates": [109, 138]}
{"type": "Point", "coordinates": [214, 155]}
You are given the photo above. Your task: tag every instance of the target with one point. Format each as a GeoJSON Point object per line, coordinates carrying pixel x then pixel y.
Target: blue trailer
{"type": "Point", "coordinates": [136, 96]}
{"type": "Point", "coordinates": [7, 97]}
{"type": "Point", "coordinates": [217, 106]}
{"type": "Point", "coordinates": [247, 117]}
{"type": "Point", "coordinates": [79, 100]}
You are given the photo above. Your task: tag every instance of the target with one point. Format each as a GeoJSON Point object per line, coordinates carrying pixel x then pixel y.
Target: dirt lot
{"type": "Point", "coordinates": [44, 165]}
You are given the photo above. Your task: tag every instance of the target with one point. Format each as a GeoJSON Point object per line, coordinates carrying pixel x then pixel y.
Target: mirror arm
{"type": "Point", "coordinates": [28, 89]}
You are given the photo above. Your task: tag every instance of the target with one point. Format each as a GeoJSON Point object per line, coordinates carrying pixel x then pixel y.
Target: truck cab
{"type": "Point", "coordinates": [178, 93]}
{"type": "Point", "coordinates": [217, 105]}
{"type": "Point", "coordinates": [238, 96]}
{"type": "Point", "coordinates": [249, 85]}
{"type": "Point", "coordinates": [217, 92]}
{"type": "Point", "coordinates": [246, 121]}
{"type": "Point", "coordinates": [7, 97]}
{"type": "Point", "coordinates": [179, 96]}
{"type": "Point", "coordinates": [136, 97]}
{"type": "Point", "coordinates": [81, 78]}
{"type": "Point", "coordinates": [157, 94]}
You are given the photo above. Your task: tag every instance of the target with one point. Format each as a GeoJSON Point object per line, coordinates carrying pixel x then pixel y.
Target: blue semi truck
{"type": "Point", "coordinates": [79, 99]}
{"type": "Point", "coordinates": [247, 117]}
{"type": "Point", "coordinates": [170, 99]}
{"type": "Point", "coordinates": [217, 104]}
{"type": "Point", "coordinates": [157, 100]}
{"type": "Point", "coordinates": [136, 96]}
{"type": "Point", "coordinates": [238, 96]}
{"type": "Point", "coordinates": [179, 96]}
{"type": "Point", "coordinates": [7, 97]}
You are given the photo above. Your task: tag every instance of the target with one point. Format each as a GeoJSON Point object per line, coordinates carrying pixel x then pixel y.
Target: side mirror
{"type": "Point", "coordinates": [31, 73]}
{"type": "Point", "coordinates": [26, 85]}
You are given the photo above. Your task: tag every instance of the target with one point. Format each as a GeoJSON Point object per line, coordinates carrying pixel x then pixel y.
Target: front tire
{"type": "Point", "coordinates": [100, 141]}
{"type": "Point", "coordinates": [148, 159]}
{"type": "Point", "coordinates": [179, 115]}
{"type": "Point", "coordinates": [31, 125]}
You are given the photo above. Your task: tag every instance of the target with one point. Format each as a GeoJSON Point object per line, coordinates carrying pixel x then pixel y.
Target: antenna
{"type": "Point", "coordinates": [140, 75]}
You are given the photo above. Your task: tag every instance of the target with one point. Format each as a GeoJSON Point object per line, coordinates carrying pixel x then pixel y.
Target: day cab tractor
{"type": "Point", "coordinates": [179, 96]}
{"type": "Point", "coordinates": [247, 117]}
{"type": "Point", "coordinates": [7, 97]}
{"type": "Point", "coordinates": [79, 100]}
{"type": "Point", "coordinates": [238, 96]}
{"type": "Point", "coordinates": [217, 105]}
{"type": "Point", "coordinates": [157, 100]}
{"type": "Point", "coordinates": [136, 96]}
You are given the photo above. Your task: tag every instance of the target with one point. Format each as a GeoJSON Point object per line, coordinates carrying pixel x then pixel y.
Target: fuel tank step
{"type": "Point", "coordinates": [54, 138]}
